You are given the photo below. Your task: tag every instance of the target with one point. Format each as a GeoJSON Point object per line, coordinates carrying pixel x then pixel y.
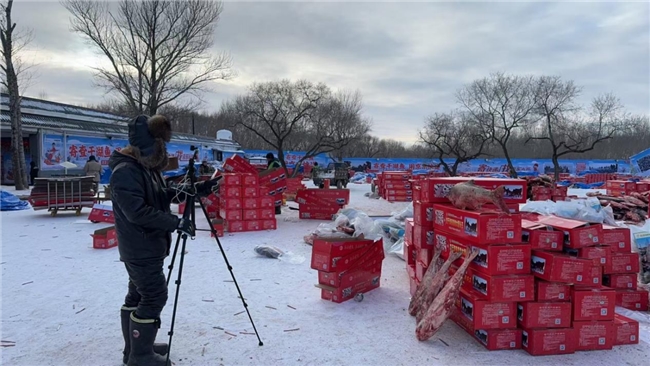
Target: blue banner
{"type": "Point", "coordinates": [641, 163]}
{"type": "Point", "coordinates": [77, 150]}
{"type": "Point", "coordinates": [488, 166]}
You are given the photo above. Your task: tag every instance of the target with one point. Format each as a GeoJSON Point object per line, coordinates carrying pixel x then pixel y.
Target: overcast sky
{"type": "Point", "coordinates": [407, 59]}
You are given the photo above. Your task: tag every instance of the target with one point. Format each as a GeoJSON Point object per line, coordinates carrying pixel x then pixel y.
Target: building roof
{"type": "Point", "coordinates": [43, 114]}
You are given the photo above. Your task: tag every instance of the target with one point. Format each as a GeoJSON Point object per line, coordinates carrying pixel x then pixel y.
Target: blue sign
{"type": "Point", "coordinates": [641, 163]}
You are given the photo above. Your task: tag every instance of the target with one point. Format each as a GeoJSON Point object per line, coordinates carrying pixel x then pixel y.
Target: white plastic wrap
{"type": "Point", "coordinates": [404, 214]}
{"type": "Point", "coordinates": [588, 210]}
{"type": "Point", "coordinates": [363, 224]}
{"type": "Point", "coordinates": [398, 248]}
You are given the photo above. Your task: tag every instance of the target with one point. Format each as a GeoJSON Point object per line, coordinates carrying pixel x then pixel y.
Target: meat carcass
{"type": "Point", "coordinates": [468, 195]}
{"type": "Point", "coordinates": [437, 283]}
{"type": "Point", "coordinates": [426, 280]}
{"type": "Point", "coordinates": [443, 304]}
{"type": "Point", "coordinates": [432, 281]}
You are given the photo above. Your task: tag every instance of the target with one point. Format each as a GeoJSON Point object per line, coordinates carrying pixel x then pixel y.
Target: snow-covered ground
{"type": "Point", "coordinates": [61, 300]}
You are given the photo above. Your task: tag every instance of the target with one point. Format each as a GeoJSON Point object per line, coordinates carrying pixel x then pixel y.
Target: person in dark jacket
{"type": "Point", "coordinates": [33, 172]}
{"type": "Point", "coordinates": [144, 224]}
{"type": "Point", "coordinates": [272, 161]}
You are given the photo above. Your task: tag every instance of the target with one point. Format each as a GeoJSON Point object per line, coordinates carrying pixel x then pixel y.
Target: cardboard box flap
{"type": "Point", "coordinates": [103, 231]}
{"type": "Point", "coordinates": [562, 223]}
{"type": "Point", "coordinates": [534, 225]}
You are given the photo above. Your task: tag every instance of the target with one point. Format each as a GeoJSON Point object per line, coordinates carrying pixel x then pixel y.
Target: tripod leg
{"type": "Point", "coordinates": [178, 287]}
{"type": "Point", "coordinates": [223, 253]}
{"type": "Point", "coordinates": [171, 265]}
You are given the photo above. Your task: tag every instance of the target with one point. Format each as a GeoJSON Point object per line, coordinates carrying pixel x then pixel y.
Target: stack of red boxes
{"type": "Point", "coordinates": [293, 185]}
{"type": "Point", "coordinates": [242, 207]}
{"type": "Point", "coordinates": [559, 193]}
{"type": "Point", "coordinates": [347, 267]}
{"type": "Point", "coordinates": [396, 186]}
{"type": "Point", "coordinates": [321, 204]}
{"type": "Point", "coordinates": [621, 271]}
{"type": "Point", "coordinates": [618, 188]}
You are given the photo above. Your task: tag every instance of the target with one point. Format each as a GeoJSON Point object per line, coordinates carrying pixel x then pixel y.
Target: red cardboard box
{"type": "Point", "coordinates": [541, 197]}
{"type": "Point", "coordinates": [369, 268]}
{"type": "Point", "coordinates": [577, 234]}
{"type": "Point", "coordinates": [265, 202]}
{"type": "Point", "coordinates": [618, 238]}
{"type": "Point", "coordinates": [423, 213]}
{"type": "Point", "coordinates": [397, 185]}
{"type": "Point", "coordinates": [237, 164]}
{"type": "Point", "coordinates": [552, 291]}
{"type": "Point", "coordinates": [542, 191]}
{"type": "Point", "coordinates": [270, 177]}
{"type": "Point", "coordinates": [623, 185]}
{"type": "Point", "coordinates": [249, 215]}
{"type": "Point", "coordinates": [478, 227]}
{"type": "Point", "coordinates": [546, 342]}
{"type": "Point", "coordinates": [494, 260]}
{"type": "Point", "coordinates": [621, 281]}
{"type": "Point", "coordinates": [399, 198]}
{"type": "Point", "coordinates": [231, 215]}
{"type": "Point", "coordinates": [102, 213]}
{"type": "Point", "coordinates": [600, 255]}
{"type": "Point", "coordinates": [540, 236]}
{"type": "Point", "coordinates": [591, 304]}
{"type": "Point", "coordinates": [561, 191]}
{"type": "Point", "coordinates": [424, 255]}
{"type": "Point", "coordinates": [492, 339]}
{"type": "Point", "coordinates": [556, 267]}
{"type": "Point", "coordinates": [435, 190]}
{"type": "Point", "coordinates": [632, 299]}
{"type": "Point", "coordinates": [230, 204]}
{"type": "Point", "coordinates": [335, 255]}
{"type": "Point", "coordinates": [410, 253]}
{"type": "Point", "coordinates": [248, 179]}
{"type": "Point", "coordinates": [423, 237]}
{"type": "Point", "coordinates": [316, 201]}
{"type": "Point", "coordinates": [618, 192]}
{"type": "Point", "coordinates": [396, 176]}
{"type": "Point", "coordinates": [642, 187]}
{"type": "Point", "coordinates": [266, 214]}
{"type": "Point", "coordinates": [104, 238]}
{"type": "Point", "coordinates": [250, 192]}
{"type": "Point", "coordinates": [254, 225]}
{"type": "Point", "coordinates": [500, 288]}
{"type": "Point", "coordinates": [269, 224]}
{"type": "Point", "coordinates": [399, 192]}
{"type": "Point", "coordinates": [251, 203]}
{"type": "Point", "coordinates": [594, 335]}
{"type": "Point", "coordinates": [544, 314]}
{"type": "Point", "coordinates": [626, 330]}
{"type": "Point", "coordinates": [483, 314]}
{"type": "Point", "coordinates": [235, 226]}
{"type": "Point", "coordinates": [340, 294]}
{"type": "Point", "coordinates": [230, 179]}
{"type": "Point", "coordinates": [218, 226]}
{"type": "Point", "coordinates": [339, 196]}
{"type": "Point", "coordinates": [622, 263]}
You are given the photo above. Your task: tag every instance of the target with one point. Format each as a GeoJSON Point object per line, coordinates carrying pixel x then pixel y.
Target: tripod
{"type": "Point", "coordinates": [190, 214]}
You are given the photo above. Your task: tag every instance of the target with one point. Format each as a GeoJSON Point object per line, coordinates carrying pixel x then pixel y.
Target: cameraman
{"type": "Point", "coordinates": [144, 223]}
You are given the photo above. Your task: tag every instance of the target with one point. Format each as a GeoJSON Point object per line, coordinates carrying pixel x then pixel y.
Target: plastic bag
{"type": "Point", "coordinates": [541, 207]}
{"type": "Point", "coordinates": [363, 224]}
{"type": "Point", "coordinates": [324, 231]}
{"type": "Point", "coordinates": [9, 202]}
{"type": "Point", "coordinates": [276, 253]}
{"type": "Point", "coordinates": [404, 214]}
{"type": "Point", "coordinates": [398, 248]}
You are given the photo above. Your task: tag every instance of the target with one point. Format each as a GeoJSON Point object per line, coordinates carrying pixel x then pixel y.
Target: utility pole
{"type": "Point", "coordinates": [193, 133]}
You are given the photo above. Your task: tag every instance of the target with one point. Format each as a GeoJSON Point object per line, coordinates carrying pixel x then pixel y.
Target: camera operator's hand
{"type": "Point", "coordinates": [186, 227]}
{"type": "Point", "coordinates": [205, 188]}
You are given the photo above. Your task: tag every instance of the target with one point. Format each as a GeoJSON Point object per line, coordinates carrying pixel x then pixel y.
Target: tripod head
{"type": "Point", "coordinates": [191, 169]}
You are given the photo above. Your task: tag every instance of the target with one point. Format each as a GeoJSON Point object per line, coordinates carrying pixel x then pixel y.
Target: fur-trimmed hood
{"type": "Point", "coordinates": [147, 142]}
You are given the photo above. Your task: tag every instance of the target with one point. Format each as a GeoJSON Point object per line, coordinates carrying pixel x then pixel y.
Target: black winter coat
{"type": "Point", "coordinates": [141, 200]}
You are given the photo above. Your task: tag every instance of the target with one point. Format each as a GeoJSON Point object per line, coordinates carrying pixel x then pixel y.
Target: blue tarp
{"type": "Point", "coordinates": [9, 202]}
{"type": "Point", "coordinates": [588, 186]}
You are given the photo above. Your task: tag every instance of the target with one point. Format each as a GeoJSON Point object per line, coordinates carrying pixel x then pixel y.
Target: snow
{"type": "Point", "coordinates": [61, 301]}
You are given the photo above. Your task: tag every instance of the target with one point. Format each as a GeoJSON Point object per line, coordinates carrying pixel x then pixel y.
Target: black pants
{"type": "Point", "coordinates": [147, 288]}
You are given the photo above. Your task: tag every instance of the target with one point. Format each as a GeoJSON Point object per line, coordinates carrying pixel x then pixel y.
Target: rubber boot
{"type": "Point", "coordinates": [159, 348]}
{"type": "Point", "coordinates": [278, 210]}
{"type": "Point", "coordinates": [143, 334]}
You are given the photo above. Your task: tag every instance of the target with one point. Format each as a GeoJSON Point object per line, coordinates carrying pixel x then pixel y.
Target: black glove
{"type": "Point", "coordinates": [186, 227]}
{"type": "Point", "coordinates": [205, 188]}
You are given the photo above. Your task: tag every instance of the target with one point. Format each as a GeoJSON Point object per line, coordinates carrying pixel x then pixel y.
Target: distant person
{"type": "Point", "coordinates": [33, 171]}
{"type": "Point", "coordinates": [205, 168]}
{"type": "Point", "coordinates": [273, 163]}
{"type": "Point", "coordinates": [94, 169]}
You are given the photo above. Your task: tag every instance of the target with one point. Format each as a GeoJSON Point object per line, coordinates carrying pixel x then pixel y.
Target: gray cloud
{"type": "Point", "coordinates": [407, 59]}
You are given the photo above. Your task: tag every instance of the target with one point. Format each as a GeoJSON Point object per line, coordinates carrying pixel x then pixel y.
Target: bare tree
{"type": "Point", "coordinates": [454, 135]}
{"type": "Point", "coordinates": [158, 50]}
{"type": "Point", "coordinates": [500, 104]}
{"type": "Point", "coordinates": [11, 72]}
